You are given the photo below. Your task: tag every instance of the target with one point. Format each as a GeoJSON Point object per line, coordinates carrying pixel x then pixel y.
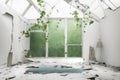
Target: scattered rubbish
{"type": "Point", "coordinates": [66, 66]}
{"type": "Point", "coordinates": [56, 66]}
{"type": "Point", "coordinates": [92, 58]}
{"type": "Point", "coordinates": [93, 78]}
{"type": "Point", "coordinates": [28, 61]}
{"type": "Point", "coordinates": [32, 67]}
{"type": "Point", "coordinates": [64, 75]}
{"type": "Point", "coordinates": [9, 59]}
{"type": "Point", "coordinates": [19, 63]}
{"type": "Point", "coordinates": [87, 72]}
{"type": "Point", "coordinates": [10, 78]}
{"type": "Point", "coordinates": [88, 69]}
{"type": "Point", "coordinates": [97, 75]}
{"type": "Point", "coordinates": [63, 66]}
{"type": "Point", "coordinates": [104, 64]}
{"type": "Point", "coordinates": [37, 61]}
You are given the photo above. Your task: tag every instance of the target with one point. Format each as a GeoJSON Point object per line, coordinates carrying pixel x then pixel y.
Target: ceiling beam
{"type": "Point", "coordinates": [6, 1]}
{"type": "Point", "coordinates": [83, 9]}
{"type": "Point", "coordinates": [26, 10]}
{"type": "Point", "coordinates": [33, 4]}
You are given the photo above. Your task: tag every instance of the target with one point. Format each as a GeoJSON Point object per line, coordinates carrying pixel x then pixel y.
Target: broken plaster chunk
{"type": "Point", "coordinates": [62, 66]}
{"type": "Point", "coordinates": [64, 74]}
{"type": "Point", "coordinates": [10, 78]}
{"type": "Point", "coordinates": [94, 77]}
{"type": "Point", "coordinates": [88, 69]}
{"type": "Point", "coordinates": [32, 67]}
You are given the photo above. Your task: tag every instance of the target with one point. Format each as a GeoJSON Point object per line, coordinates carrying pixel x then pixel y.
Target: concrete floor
{"type": "Point", "coordinates": [98, 72]}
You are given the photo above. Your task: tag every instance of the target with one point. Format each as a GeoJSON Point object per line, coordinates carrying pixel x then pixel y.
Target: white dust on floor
{"type": "Point", "coordinates": [100, 72]}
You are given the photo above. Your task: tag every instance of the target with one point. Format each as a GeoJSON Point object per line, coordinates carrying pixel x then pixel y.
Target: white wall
{"type": "Point", "coordinates": [110, 31]}
{"type": "Point", "coordinates": [90, 38]}
{"type": "Point", "coordinates": [20, 24]}
{"type": "Point", "coordinates": [5, 37]}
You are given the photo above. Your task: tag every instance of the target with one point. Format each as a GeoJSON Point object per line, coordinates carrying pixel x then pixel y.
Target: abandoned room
{"type": "Point", "coordinates": [59, 40]}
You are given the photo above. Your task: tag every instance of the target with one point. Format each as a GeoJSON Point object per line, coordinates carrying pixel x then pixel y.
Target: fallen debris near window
{"type": "Point", "coordinates": [32, 67]}
{"type": "Point", "coordinates": [88, 69]}
{"type": "Point", "coordinates": [93, 78]}
{"type": "Point", "coordinates": [66, 66]}
{"type": "Point", "coordinates": [37, 62]}
{"type": "Point", "coordinates": [10, 78]}
{"type": "Point", "coordinates": [28, 61]}
{"type": "Point", "coordinates": [19, 63]}
{"type": "Point", "coordinates": [64, 75]}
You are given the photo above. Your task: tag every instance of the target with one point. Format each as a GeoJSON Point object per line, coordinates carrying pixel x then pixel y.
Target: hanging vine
{"type": "Point", "coordinates": [87, 18]}
{"type": "Point", "coordinates": [43, 20]}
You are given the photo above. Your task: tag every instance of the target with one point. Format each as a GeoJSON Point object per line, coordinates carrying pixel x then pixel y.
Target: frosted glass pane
{"type": "Point", "coordinates": [74, 37]}
{"type": "Point", "coordinates": [37, 44]}
{"type": "Point", "coordinates": [74, 32]}
{"type": "Point", "coordinates": [74, 51]}
{"type": "Point", "coordinates": [56, 39]}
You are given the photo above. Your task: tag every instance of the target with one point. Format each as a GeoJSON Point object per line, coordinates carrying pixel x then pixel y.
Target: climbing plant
{"type": "Point", "coordinates": [43, 20]}
{"type": "Point", "coordinates": [87, 18]}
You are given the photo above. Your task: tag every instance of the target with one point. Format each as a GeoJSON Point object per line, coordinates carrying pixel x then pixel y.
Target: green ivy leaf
{"type": "Point", "coordinates": [91, 22]}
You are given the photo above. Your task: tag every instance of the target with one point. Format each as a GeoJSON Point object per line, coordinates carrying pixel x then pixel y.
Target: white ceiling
{"type": "Point", "coordinates": [65, 7]}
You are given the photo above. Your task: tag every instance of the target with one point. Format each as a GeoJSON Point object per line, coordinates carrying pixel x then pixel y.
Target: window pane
{"type": "Point", "coordinates": [74, 38]}
{"type": "Point", "coordinates": [56, 39]}
{"type": "Point", "coordinates": [74, 51]}
{"type": "Point", "coordinates": [37, 44]}
{"type": "Point", "coordinates": [74, 32]}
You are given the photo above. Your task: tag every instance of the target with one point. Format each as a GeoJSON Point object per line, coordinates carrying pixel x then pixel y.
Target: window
{"type": "Point", "coordinates": [64, 37]}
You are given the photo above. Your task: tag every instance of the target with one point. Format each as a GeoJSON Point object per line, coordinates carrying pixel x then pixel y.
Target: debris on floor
{"type": "Point", "coordinates": [32, 67]}
{"type": "Point", "coordinates": [64, 75]}
{"type": "Point", "coordinates": [10, 78]}
{"type": "Point", "coordinates": [62, 66]}
{"type": "Point", "coordinates": [62, 71]}
{"type": "Point", "coordinates": [93, 78]}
